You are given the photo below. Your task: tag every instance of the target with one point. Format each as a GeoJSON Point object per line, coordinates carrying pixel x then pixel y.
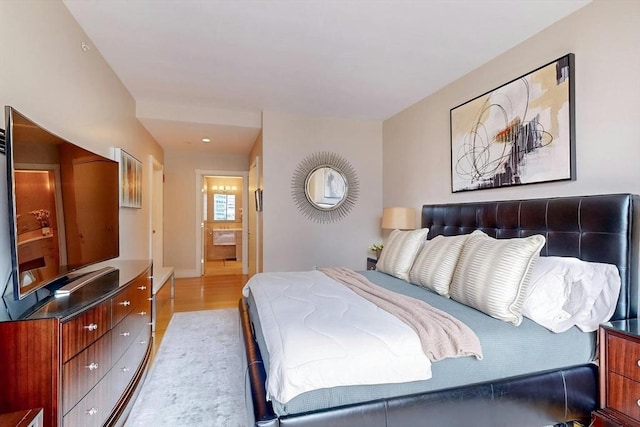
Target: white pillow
{"type": "Point", "coordinates": [566, 291]}
{"type": "Point", "coordinates": [400, 251]}
{"type": "Point", "coordinates": [436, 262]}
{"type": "Point", "coordinates": [491, 275]}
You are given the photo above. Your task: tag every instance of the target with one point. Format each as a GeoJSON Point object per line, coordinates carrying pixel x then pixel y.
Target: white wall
{"type": "Point", "coordinates": [180, 203]}
{"type": "Point", "coordinates": [293, 242]}
{"type": "Point", "coordinates": [605, 37]}
{"type": "Point", "coordinates": [46, 76]}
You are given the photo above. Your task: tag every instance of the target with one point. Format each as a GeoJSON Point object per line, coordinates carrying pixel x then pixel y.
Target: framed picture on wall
{"type": "Point", "coordinates": [522, 132]}
{"type": "Point", "coordinates": [130, 179]}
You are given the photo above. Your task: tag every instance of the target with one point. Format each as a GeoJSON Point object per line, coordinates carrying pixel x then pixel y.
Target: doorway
{"type": "Point", "coordinates": [222, 204]}
{"type": "Point", "coordinates": [156, 233]}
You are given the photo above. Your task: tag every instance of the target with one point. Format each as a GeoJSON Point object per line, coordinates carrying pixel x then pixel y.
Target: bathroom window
{"type": "Point", "coordinates": [224, 207]}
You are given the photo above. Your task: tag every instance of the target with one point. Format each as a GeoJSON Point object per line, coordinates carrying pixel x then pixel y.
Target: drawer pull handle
{"type": "Point", "coordinates": [638, 402]}
{"type": "Point", "coordinates": [142, 288]}
{"type": "Point", "coordinates": [91, 327]}
{"type": "Point", "coordinates": [143, 313]}
{"type": "Point", "coordinates": [638, 363]}
{"type": "Point", "coordinates": [92, 367]}
{"type": "Point", "coordinates": [125, 334]}
{"type": "Point", "coordinates": [125, 303]}
{"type": "Point", "coordinates": [92, 411]}
{"type": "Point", "coordinates": [125, 369]}
{"type": "Point", "coordinates": [143, 342]}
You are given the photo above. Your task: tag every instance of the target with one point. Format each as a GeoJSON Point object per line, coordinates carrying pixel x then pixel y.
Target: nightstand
{"type": "Point", "coordinates": [371, 263]}
{"type": "Point", "coordinates": [619, 374]}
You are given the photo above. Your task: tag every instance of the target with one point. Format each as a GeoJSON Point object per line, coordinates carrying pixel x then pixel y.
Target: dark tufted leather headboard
{"type": "Point", "coordinates": [600, 228]}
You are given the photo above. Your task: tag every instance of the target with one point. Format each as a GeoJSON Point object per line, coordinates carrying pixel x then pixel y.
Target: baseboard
{"type": "Point", "coordinates": [181, 274]}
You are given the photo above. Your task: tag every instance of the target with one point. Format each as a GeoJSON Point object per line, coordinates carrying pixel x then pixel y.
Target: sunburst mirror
{"type": "Point", "coordinates": [325, 187]}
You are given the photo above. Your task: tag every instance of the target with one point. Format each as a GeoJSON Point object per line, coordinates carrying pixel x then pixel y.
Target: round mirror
{"type": "Point", "coordinates": [324, 187]}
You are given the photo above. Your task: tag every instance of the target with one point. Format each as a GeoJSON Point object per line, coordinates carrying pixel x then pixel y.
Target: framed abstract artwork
{"type": "Point", "coordinates": [522, 132]}
{"type": "Point", "coordinates": [130, 179]}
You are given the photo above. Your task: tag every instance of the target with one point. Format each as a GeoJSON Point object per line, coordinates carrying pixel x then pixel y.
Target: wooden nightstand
{"type": "Point", "coordinates": [371, 263]}
{"type": "Point", "coordinates": [619, 374]}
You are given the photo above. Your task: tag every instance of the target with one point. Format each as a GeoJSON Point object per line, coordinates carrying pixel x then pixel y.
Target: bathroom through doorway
{"type": "Point", "coordinates": [223, 236]}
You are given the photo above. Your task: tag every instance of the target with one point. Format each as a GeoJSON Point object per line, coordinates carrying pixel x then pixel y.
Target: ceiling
{"type": "Point", "coordinates": [208, 68]}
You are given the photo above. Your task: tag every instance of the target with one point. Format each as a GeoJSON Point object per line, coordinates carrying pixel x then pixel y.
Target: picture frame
{"type": "Point", "coordinates": [130, 173]}
{"type": "Point", "coordinates": [258, 196]}
{"type": "Point", "coordinates": [522, 132]}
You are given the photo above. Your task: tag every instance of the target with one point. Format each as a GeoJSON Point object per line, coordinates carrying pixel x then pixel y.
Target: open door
{"type": "Point", "coordinates": [156, 234]}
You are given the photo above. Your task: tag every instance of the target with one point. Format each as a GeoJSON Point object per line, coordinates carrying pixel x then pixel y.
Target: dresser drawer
{"type": "Point", "coordinates": [122, 305]}
{"type": "Point", "coordinates": [623, 357]}
{"type": "Point", "coordinates": [125, 368]}
{"type": "Point", "coordinates": [140, 291]}
{"type": "Point", "coordinates": [94, 408]}
{"type": "Point", "coordinates": [82, 373]}
{"type": "Point", "coordinates": [125, 332]}
{"type": "Point", "coordinates": [623, 395]}
{"type": "Point", "coordinates": [81, 331]}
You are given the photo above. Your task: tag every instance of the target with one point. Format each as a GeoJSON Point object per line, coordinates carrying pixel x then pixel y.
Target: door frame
{"type": "Point", "coordinates": [156, 211]}
{"type": "Point", "coordinates": [253, 218]}
{"type": "Point", "coordinates": [200, 174]}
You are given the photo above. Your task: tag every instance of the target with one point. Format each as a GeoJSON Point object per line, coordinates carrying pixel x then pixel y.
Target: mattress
{"type": "Point", "coordinates": [336, 326]}
{"type": "Point", "coordinates": [508, 351]}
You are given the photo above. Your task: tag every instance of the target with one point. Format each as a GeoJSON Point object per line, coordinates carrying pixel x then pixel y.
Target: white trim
{"type": "Point", "coordinates": [154, 165]}
{"type": "Point", "coordinates": [200, 174]}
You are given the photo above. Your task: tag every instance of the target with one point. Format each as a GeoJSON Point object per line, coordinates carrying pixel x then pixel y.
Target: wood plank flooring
{"type": "Point", "coordinates": [193, 294]}
{"type": "Point", "coordinates": [220, 267]}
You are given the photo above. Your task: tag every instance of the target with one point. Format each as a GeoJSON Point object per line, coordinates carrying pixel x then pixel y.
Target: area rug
{"type": "Point", "coordinates": [196, 378]}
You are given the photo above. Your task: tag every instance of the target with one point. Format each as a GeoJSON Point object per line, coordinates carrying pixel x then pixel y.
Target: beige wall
{"type": "Point", "coordinates": [180, 216]}
{"type": "Point", "coordinates": [293, 242]}
{"type": "Point", "coordinates": [605, 37]}
{"type": "Point", "coordinates": [46, 76]}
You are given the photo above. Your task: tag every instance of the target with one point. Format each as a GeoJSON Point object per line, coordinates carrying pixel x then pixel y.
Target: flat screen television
{"type": "Point", "coordinates": [63, 206]}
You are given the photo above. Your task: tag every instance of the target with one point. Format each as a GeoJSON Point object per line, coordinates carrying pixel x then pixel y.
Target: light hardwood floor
{"type": "Point", "coordinates": [224, 268]}
{"type": "Point", "coordinates": [204, 293]}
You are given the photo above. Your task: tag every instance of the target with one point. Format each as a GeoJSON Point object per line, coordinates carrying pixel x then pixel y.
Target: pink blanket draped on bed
{"type": "Point", "coordinates": [441, 334]}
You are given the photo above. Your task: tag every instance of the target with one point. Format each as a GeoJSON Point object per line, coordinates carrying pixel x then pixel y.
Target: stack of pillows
{"type": "Point", "coordinates": [505, 278]}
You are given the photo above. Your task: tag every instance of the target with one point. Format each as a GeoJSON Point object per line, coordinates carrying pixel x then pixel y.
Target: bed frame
{"type": "Point", "coordinates": [600, 228]}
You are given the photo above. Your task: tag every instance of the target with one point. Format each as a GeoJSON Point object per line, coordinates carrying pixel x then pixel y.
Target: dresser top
{"type": "Point", "coordinates": [91, 294]}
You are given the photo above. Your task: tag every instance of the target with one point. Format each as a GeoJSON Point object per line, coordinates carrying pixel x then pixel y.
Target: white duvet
{"type": "Point", "coordinates": [320, 334]}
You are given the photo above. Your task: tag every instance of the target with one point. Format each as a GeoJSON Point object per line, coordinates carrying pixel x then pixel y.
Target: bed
{"type": "Point", "coordinates": [598, 228]}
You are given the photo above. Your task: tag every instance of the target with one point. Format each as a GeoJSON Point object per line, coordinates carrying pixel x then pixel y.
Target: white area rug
{"type": "Point", "coordinates": [196, 378]}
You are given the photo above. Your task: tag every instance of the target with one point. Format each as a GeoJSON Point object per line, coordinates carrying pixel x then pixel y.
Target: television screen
{"type": "Point", "coordinates": [63, 205]}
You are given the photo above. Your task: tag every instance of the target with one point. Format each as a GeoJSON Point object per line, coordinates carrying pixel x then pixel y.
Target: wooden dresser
{"type": "Point", "coordinates": [81, 357]}
{"type": "Point", "coordinates": [619, 374]}
{"type": "Point", "coordinates": [26, 418]}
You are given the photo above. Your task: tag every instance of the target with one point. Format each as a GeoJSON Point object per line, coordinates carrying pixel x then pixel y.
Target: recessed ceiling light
{"type": "Point", "coordinates": [206, 140]}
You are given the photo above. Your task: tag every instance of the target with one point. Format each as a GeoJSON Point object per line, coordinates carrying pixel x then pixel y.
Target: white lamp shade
{"type": "Point", "coordinates": [399, 218]}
